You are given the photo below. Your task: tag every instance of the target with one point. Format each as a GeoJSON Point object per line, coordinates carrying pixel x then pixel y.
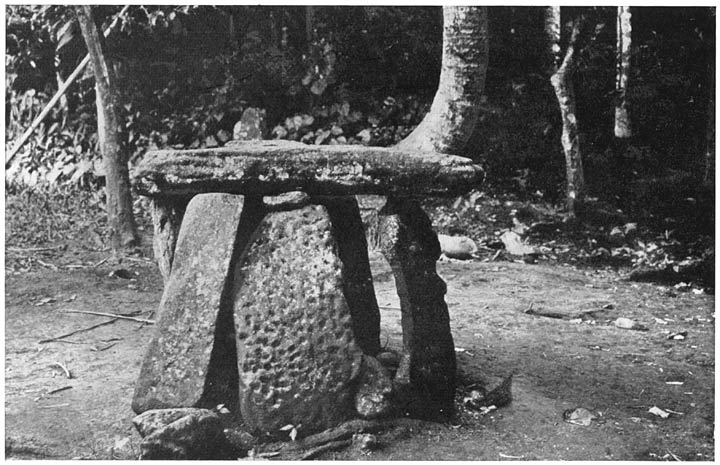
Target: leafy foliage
{"type": "Point", "coordinates": [381, 124]}
{"type": "Point", "coordinates": [187, 74]}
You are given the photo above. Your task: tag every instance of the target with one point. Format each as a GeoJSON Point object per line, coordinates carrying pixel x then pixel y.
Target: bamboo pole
{"type": "Point", "coordinates": [61, 91]}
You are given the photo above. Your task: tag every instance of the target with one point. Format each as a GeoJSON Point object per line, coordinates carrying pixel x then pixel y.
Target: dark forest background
{"type": "Point", "coordinates": [367, 75]}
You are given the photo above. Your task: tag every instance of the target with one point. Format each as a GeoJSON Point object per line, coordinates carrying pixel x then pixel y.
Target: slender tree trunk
{"type": "Point", "coordinates": [117, 180]}
{"type": "Point", "coordinates": [709, 177]}
{"type": "Point", "coordinates": [564, 91]}
{"type": "Point", "coordinates": [64, 106]}
{"type": "Point", "coordinates": [455, 109]}
{"type": "Point", "coordinates": [309, 24]}
{"type": "Point", "coordinates": [624, 43]}
{"type": "Point", "coordinates": [552, 32]}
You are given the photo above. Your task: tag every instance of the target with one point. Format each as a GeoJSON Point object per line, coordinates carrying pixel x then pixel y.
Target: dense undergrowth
{"type": "Point", "coordinates": [604, 237]}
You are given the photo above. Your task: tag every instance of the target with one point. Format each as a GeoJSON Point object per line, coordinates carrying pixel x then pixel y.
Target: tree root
{"type": "Point", "coordinates": [310, 447]}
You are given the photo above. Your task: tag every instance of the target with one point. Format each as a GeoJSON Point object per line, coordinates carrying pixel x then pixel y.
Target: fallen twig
{"type": "Point", "coordinates": [330, 439]}
{"type": "Point", "coordinates": [47, 265]}
{"type": "Point", "coordinates": [112, 315]}
{"type": "Point", "coordinates": [510, 456]}
{"type": "Point", "coordinates": [64, 368]}
{"type": "Point", "coordinates": [54, 391]}
{"type": "Point", "coordinates": [101, 262]}
{"type": "Point", "coordinates": [330, 446]}
{"type": "Point", "coordinates": [388, 307]}
{"type": "Point", "coordinates": [100, 349]}
{"type": "Point", "coordinates": [138, 259]}
{"type": "Point", "coordinates": [73, 342]}
{"type": "Point", "coordinates": [77, 331]}
{"type": "Point", "coordinates": [34, 249]}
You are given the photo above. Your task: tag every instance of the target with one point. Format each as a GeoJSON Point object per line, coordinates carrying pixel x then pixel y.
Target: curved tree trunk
{"type": "Point", "coordinates": [117, 180]}
{"type": "Point", "coordinates": [455, 109]}
{"type": "Point", "coordinates": [624, 37]}
{"type": "Point", "coordinates": [552, 33]}
{"type": "Point", "coordinates": [564, 91]}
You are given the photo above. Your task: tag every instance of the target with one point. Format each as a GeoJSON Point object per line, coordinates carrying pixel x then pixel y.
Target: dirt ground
{"type": "Point", "coordinates": [577, 360]}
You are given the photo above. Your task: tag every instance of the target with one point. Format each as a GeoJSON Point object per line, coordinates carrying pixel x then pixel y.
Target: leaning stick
{"type": "Point", "coordinates": [60, 92]}
{"type": "Point", "coordinates": [113, 315]}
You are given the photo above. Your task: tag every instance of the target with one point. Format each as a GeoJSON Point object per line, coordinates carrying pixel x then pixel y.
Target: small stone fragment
{"type": "Point", "coordinates": [196, 436]}
{"type": "Point", "coordinates": [459, 247]}
{"type": "Point", "coordinates": [240, 440]}
{"type": "Point", "coordinates": [251, 125]}
{"type": "Point", "coordinates": [678, 336]}
{"type": "Point", "coordinates": [365, 442]}
{"type": "Point", "coordinates": [627, 323]}
{"type": "Point", "coordinates": [515, 245]}
{"type": "Point", "coordinates": [372, 399]}
{"type": "Point", "coordinates": [659, 412]}
{"type": "Point", "coordinates": [579, 416]}
{"type": "Point", "coordinates": [148, 422]}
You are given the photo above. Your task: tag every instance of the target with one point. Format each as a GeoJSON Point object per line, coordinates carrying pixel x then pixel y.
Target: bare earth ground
{"type": "Point", "coordinates": [559, 364]}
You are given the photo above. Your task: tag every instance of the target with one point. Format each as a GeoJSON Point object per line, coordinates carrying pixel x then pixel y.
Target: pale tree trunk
{"type": "Point", "coordinates": [117, 181]}
{"type": "Point", "coordinates": [564, 91]}
{"type": "Point", "coordinates": [409, 243]}
{"type": "Point", "coordinates": [455, 109]}
{"type": "Point", "coordinates": [624, 43]}
{"type": "Point", "coordinates": [309, 24]}
{"type": "Point", "coordinates": [64, 106]}
{"type": "Point", "coordinates": [552, 33]}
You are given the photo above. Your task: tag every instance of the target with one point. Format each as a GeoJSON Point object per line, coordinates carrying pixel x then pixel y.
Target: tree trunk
{"type": "Point", "coordinates": [624, 42]}
{"type": "Point", "coordinates": [709, 177]}
{"type": "Point", "coordinates": [309, 24]}
{"type": "Point", "coordinates": [564, 91]}
{"type": "Point", "coordinates": [64, 105]}
{"type": "Point", "coordinates": [117, 181]}
{"type": "Point", "coordinates": [552, 32]}
{"type": "Point", "coordinates": [455, 108]}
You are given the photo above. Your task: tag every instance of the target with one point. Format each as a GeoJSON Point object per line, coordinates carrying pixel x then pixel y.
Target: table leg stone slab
{"type": "Point", "coordinates": [427, 372]}
{"type": "Point", "coordinates": [183, 366]}
{"type": "Point", "coordinates": [298, 360]}
{"type": "Point", "coordinates": [358, 285]}
{"type": "Point", "coordinates": [167, 217]}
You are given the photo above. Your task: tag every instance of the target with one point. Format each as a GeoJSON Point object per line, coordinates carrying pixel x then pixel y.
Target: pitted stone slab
{"type": "Point", "coordinates": [273, 167]}
{"type": "Point", "coordinates": [297, 355]}
{"type": "Point", "coordinates": [178, 360]}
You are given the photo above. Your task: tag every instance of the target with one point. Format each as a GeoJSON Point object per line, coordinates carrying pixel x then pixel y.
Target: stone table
{"type": "Point", "coordinates": [269, 306]}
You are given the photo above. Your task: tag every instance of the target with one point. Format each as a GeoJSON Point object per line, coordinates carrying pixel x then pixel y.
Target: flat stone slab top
{"type": "Point", "coordinates": [274, 167]}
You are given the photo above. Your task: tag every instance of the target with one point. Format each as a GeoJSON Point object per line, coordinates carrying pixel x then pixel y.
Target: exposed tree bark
{"type": "Point", "coordinates": [309, 24]}
{"type": "Point", "coordinates": [564, 91]}
{"type": "Point", "coordinates": [64, 104]}
{"type": "Point", "coordinates": [117, 181]}
{"type": "Point", "coordinates": [552, 32]}
{"type": "Point", "coordinates": [624, 42]}
{"type": "Point", "coordinates": [455, 108]}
